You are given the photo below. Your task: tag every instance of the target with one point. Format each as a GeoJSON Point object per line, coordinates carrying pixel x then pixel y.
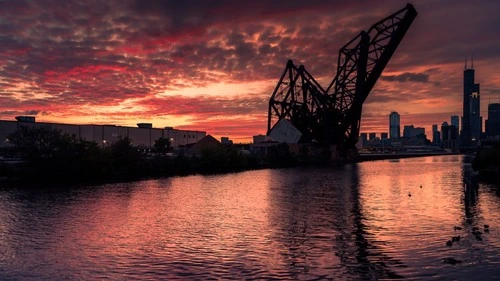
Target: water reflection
{"type": "Point", "coordinates": [351, 222]}
{"type": "Point", "coordinates": [471, 187]}
{"type": "Point", "coordinates": [370, 263]}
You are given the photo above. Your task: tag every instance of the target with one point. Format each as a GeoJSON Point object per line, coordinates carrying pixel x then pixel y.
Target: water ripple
{"type": "Point", "coordinates": [349, 223]}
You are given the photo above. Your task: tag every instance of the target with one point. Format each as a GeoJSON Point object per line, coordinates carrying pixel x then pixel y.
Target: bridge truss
{"type": "Point", "coordinates": [332, 115]}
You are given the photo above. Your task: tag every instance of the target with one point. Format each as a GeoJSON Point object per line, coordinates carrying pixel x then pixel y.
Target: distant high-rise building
{"type": "Point", "coordinates": [394, 127]}
{"type": "Point", "coordinates": [384, 136]}
{"type": "Point", "coordinates": [414, 135]}
{"type": "Point", "coordinates": [449, 136]}
{"type": "Point", "coordinates": [411, 131]}
{"type": "Point", "coordinates": [471, 120]}
{"type": "Point", "coordinates": [407, 131]}
{"type": "Point", "coordinates": [372, 136]}
{"type": "Point", "coordinates": [476, 121]}
{"type": "Point", "coordinates": [455, 122]}
{"type": "Point", "coordinates": [444, 131]}
{"type": "Point", "coordinates": [364, 138]}
{"type": "Point", "coordinates": [493, 122]}
{"type": "Point", "coordinates": [436, 136]}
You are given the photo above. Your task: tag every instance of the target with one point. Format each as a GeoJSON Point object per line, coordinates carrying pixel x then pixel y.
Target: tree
{"type": "Point", "coordinates": [36, 143]}
{"type": "Point", "coordinates": [126, 158]}
{"type": "Point", "coordinates": [162, 145]}
{"type": "Point", "coordinates": [50, 154]}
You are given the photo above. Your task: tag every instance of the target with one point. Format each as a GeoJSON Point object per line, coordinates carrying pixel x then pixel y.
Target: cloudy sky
{"type": "Point", "coordinates": [212, 65]}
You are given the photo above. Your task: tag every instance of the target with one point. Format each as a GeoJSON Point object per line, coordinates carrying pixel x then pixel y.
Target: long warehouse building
{"type": "Point", "coordinates": [144, 135]}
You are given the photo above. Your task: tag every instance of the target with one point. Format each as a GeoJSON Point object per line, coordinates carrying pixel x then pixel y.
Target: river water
{"type": "Point", "coordinates": [353, 222]}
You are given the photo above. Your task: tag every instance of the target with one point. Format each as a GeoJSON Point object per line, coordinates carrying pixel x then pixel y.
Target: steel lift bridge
{"type": "Point", "coordinates": [332, 115]}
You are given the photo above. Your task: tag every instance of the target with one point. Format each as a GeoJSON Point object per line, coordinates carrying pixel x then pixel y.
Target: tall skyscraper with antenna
{"type": "Point", "coordinates": [471, 120]}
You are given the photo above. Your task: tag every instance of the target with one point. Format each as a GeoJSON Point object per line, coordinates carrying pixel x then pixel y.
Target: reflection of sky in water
{"type": "Point", "coordinates": [347, 222]}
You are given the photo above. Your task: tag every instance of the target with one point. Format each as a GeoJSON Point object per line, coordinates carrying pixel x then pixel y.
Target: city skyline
{"type": "Point", "coordinates": [184, 65]}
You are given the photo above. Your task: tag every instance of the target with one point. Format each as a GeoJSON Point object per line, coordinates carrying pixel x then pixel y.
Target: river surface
{"type": "Point", "coordinates": [353, 222]}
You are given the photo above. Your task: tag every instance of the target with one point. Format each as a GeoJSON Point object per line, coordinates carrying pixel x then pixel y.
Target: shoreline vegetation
{"type": "Point", "coordinates": [49, 156]}
{"type": "Point", "coordinates": [487, 163]}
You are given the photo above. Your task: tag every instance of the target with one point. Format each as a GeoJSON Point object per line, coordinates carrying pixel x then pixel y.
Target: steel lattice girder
{"type": "Point", "coordinates": [300, 99]}
{"type": "Point", "coordinates": [334, 115]}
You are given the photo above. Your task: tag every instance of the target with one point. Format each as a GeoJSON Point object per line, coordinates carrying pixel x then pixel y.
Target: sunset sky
{"type": "Point", "coordinates": [212, 65]}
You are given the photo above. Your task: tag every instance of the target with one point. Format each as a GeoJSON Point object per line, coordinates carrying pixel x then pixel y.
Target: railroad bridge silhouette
{"type": "Point", "coordinates": [332, 115]}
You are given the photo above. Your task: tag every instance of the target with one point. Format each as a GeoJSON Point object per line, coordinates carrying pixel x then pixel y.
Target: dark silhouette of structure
{"type": "Point", "coordinates": [394, 126]}
{"type": "Point", "coordinates": [449, 136]}
{"type": "Point", "coordinates": [493, 122]}
{"type": "Point", "coordinates": [471, 121]}
{"type": "Point", "coordinates": [332, 115]}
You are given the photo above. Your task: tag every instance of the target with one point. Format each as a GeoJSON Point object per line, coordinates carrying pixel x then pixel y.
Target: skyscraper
{"type": "Point", "coordinates": [455, 122]}
{"type": "Point", "coordinates": [394, 127]}
{"type": "Point", "coordinates": [493, 122]}
{"type": "Point", "coordinates": [449, 136]}
{"type": "Point", "coordinates": [471, 121]}
{"type": "Point", "coordinates": [436, 136]}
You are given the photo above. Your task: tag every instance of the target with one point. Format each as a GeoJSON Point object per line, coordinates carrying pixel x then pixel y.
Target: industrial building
{"type": "Point", "coordinates": [144, 135]}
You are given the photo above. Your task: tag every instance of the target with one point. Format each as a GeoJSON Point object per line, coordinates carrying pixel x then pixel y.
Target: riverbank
{"type": "Point", "coordinates": [385, 156]}
{"type": "Point", "coordinates": [48, 156]}
{"type": "Point", "coordinates": [487, 163]}
{"type": "Point", "coordinates": [165, 167]}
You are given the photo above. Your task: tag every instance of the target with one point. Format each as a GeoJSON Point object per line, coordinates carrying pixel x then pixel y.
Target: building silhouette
{"type": "Point", "coordinates": [493, 123]}
{"type": "Point", "coordinates": [449, 135]}
{"type": "Point", "coordinates": [364, 139]}
{"type": "Point", "coordinates": [411, 131]}
{"type": "Point", "coordinates": [144, 135]}
{"type": "Point", "coordinates": [471, 120]}
{"type": "Point", "coordinates": [455, 121]}
{"type": "Point", "coordinates": [414, 135]}
{"type": "Point", "coordinates": [436, 135]}
{"type": "Point", "coordinates": [394, 126]}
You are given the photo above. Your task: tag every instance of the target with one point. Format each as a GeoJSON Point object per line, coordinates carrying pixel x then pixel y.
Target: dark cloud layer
{"type": "Point", "coordinates": [58, 56]}
{"type": "Point", "coordinates": [406, 77]}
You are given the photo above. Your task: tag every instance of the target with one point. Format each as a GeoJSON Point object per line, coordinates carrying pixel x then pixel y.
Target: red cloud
{"type": "Point", "coordinates": [119, 56]}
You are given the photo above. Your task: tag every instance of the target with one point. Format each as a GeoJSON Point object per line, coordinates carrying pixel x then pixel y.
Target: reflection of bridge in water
{"type": "Point", "coordinates": [357, 249]}
{"type": "Point", "coordinates": [336, 235]}
{"type": "Point", "coordinates": [332, 115]}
